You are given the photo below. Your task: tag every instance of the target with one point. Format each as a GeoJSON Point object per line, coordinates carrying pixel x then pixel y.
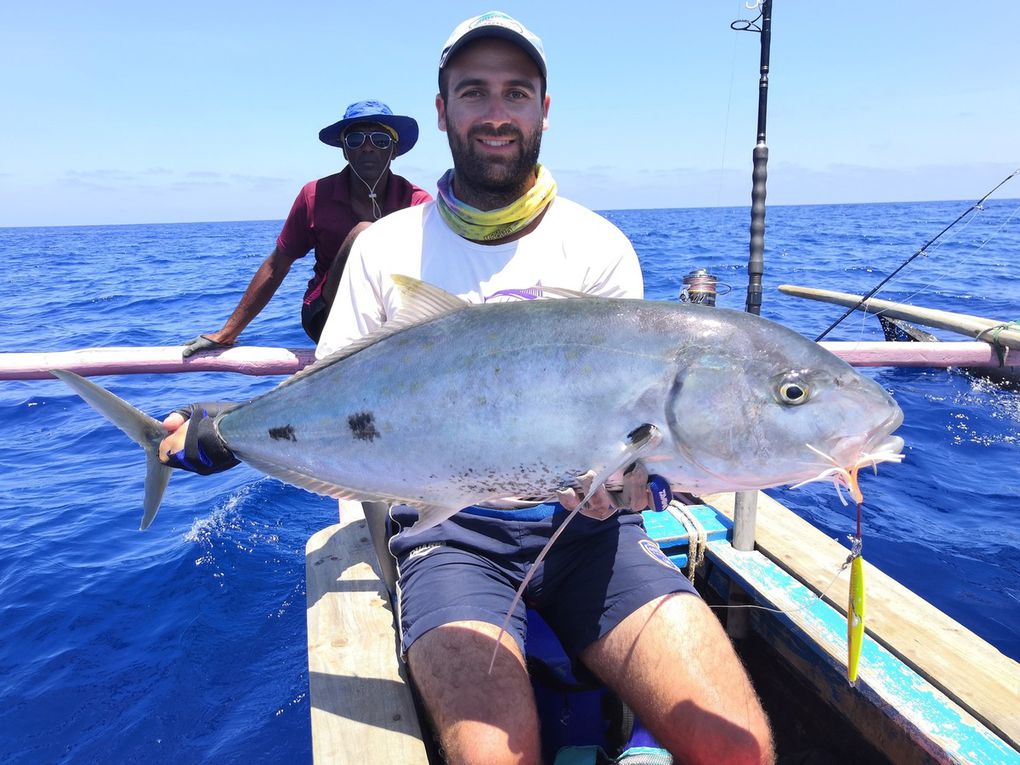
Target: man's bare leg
{"type": "Point", "coordinates": [480, 718]}
{"type": "Point", "coordinates": [673, 664]}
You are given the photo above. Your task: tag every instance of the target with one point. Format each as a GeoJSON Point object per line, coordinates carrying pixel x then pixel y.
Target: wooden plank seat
{"type": "Point", "coordinates": [362, 707]}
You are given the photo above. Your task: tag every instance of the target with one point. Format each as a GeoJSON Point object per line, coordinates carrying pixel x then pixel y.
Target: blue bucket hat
{"type": "Point", "coordinates": [373, 111]}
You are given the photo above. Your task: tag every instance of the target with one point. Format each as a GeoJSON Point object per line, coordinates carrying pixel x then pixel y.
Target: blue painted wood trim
{"type": "Point", "coordinates": [670, 533]}
{"type": "Point", "coordinates": [938, 725]}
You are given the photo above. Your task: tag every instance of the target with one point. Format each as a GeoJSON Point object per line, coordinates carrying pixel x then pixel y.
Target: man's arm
{"type": "Point", "coordinates": [261, 288]}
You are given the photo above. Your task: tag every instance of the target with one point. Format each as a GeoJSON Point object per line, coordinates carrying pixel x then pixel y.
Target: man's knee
{"type": "Point", "coordinates": [698, 737]}
{"type": "Point", "coordinates": [470, 707]}
{"type": "Point", "coordinates": [672, 662]}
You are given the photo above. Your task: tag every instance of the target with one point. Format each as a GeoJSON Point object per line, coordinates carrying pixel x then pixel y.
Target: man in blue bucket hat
{"type": "Point", "coordinates": [327, 216]}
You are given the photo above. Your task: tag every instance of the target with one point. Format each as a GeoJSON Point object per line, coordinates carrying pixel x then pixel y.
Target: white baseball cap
{"type": "Point", "coordinates": [494, 24]}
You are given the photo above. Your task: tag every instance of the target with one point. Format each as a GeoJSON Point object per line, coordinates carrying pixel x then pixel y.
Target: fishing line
{"type": "Point", "coordinates": [922, 251]}
{"type": "Point", "coordinates": [818, 596]}
{"type": "Point", "coordinates": [862, 329]}
{"type": "Point", "coordinates": [954, 272]}
{"type": "Point", "coordinates": [726, 121]}
{"type": "Point", "coordinates": [960, 264]}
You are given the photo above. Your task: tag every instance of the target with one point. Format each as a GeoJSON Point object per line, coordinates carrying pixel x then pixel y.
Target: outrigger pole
{"type": "Point", "coordinates": [922, 251]}
{"type": "Point", "coordinates": [746, 502]}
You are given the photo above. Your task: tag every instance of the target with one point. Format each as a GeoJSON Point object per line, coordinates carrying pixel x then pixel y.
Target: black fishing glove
{"type": "Point", "coordinates": [204, 451]}
{"type": "Point", "coordinates": [202, 343]}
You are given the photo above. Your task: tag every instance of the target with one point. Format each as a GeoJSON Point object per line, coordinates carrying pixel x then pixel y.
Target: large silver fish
{"type": "Point", "coordinates": [452, 404]}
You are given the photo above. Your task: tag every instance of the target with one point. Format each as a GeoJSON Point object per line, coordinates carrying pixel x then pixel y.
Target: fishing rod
{"type": "Point", "coordinates": [760, 157]}
{"type": "Point", "coordinates": [922, 251]}
{"type": "Point", "coordinates": [745, 503]}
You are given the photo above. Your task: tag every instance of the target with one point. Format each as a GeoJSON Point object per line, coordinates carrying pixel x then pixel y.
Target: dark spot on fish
{"type": "Point", "coordinates": [286, 433]}
{"type": "Point", "coordinates": [362, 426]}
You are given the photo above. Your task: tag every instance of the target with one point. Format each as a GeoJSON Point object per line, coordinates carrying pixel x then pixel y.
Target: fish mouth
{"type": "Point", "coordinates": [888, 445]}
{"type": "Point", "coordinates": [849, 455]}
{"type": "Point", "coordinates": [852, 450]}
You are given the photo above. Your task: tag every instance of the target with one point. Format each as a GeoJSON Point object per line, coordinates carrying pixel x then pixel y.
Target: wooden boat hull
{"type": "Point", "coordinates": [928, 691]}
{"type": "Point", "coordinates": [362, 708]}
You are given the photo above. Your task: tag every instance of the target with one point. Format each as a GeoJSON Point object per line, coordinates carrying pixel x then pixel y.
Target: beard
{"type": "Point", "coordinates": [488, 184]}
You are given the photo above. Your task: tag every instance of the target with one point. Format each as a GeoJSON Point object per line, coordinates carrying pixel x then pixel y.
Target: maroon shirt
{"type": "Point", "coordinates": [322, 217]}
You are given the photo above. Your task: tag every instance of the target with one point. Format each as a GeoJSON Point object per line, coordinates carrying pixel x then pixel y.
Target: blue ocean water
{"type": "Point", "coordinates": [186, 643]}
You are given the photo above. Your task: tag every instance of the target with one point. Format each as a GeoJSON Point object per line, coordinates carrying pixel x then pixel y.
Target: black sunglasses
{"type": "Point", "coordinates": [356, 139]}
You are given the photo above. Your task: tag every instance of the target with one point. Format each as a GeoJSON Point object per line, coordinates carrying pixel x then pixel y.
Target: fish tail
{"type": "Point", "coordinates": [138, 426]}
{"type": "Point", "coordinates": [855, 618]}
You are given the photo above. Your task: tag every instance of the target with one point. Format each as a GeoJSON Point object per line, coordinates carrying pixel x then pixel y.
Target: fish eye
{"type": "Point", "coordinates": [793, 393]}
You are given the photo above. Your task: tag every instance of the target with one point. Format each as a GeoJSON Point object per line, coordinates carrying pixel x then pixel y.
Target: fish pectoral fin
{"type": "Point", "coordinates": [640, 441]}
{"type": "Point", "coordinates": [643, 439]}
{"type": "Point", "coordinates": [429, 516]}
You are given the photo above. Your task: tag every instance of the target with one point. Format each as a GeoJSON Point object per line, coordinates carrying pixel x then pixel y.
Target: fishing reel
{"type": "Point", "coordinates": [701, 286]}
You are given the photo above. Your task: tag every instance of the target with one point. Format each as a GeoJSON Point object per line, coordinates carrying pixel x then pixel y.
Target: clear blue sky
{"type": "Point", "coordinates": [130, 112]}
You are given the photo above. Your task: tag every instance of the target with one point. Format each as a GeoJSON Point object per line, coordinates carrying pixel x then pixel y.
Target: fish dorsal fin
{"type": "Point", "coordinates": [421, 302]}
{"type": "Point", "coordinates": [563, 292]}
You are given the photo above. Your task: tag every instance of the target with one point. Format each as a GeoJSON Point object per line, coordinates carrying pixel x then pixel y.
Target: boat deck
{"type": "Point", "coordinates": [362, 709]}
{"type": "Point", "coordinates": [929, 690]}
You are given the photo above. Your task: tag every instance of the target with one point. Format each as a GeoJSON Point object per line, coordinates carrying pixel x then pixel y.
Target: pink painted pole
{"type": "Point", "coordinates": [972, 353]}
{"type": "Point", "coordinates": [249, 360]}
{"type": "Point", "coordinates": [256, 360]}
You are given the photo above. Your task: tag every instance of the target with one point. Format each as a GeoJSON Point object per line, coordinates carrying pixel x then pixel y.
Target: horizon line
{"type": "Point", "coordinates": [596, 210]}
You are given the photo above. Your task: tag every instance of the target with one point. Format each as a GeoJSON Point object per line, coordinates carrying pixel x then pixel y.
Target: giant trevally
{"type": "Point", "coordinates": [452, 404]}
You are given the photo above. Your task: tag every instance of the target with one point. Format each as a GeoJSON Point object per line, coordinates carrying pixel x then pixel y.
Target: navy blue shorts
{"type": "Point", "coordinates": [313, 317]}
{"type": "Point", "coordinates": [468, 568]}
